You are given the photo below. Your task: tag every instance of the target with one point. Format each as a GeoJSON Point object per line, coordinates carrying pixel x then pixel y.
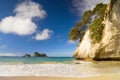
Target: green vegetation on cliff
{"type": "Point", "coordinates": [92, 19]}
{"type": "Point", "coordinates": [96, 30]}
{"type": "Point", "coordinates": [78, 31]}
{"type": "Point", "coordinates": [96, 26]}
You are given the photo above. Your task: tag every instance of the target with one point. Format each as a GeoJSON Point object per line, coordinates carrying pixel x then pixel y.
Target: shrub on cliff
{"type": "Point", "coordinates": [78, 31]}
{"type": "Point", "coordinates": [92, 19]}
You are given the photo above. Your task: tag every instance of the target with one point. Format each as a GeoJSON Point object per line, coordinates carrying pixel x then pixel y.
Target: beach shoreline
{"type": "Point", "coordinates": [60, 70]}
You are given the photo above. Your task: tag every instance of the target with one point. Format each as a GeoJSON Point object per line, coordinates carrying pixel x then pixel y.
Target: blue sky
{"type": "Point", "coordinates": [27, 26]}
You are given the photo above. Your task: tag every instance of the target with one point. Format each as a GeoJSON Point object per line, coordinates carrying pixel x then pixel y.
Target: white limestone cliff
{"type": "Point", "coordinates": [109, 46]}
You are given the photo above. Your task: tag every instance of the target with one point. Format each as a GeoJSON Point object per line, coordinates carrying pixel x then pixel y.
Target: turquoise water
{"type": "Point", "coordinates": [35, 60]}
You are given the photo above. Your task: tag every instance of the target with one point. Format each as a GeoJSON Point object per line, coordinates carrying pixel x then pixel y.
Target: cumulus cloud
{"type": "Point", "coordinates": [29, 9]}
{"type": "Point", "coordinates": [80, 6]}
{"type": "Point", "coordinates": [21, 23]}
{"type": "Point", "coordinates": [17, 25]}
{"type": "Point", "coordinates": [45, 34]}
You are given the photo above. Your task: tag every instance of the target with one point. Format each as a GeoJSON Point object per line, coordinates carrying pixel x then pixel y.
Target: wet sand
{"type": "Point", "coordinates": [105, 77]}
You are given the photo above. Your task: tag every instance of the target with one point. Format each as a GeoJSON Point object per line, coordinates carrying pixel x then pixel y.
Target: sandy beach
{"type": "Point", "coordinates": [60, 70]}
{"type": "Point", "coordinates": [105, 77]}
{"type": "Point", "coordinates": [84, 71]}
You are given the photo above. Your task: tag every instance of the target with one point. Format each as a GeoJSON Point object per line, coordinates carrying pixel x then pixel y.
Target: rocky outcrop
{"type": "Point", "coordinates": [27, 55]}
{"type": "Point", "coordinates": [36, 54]}
{"type": "Point", "coordinates": [109, 46]}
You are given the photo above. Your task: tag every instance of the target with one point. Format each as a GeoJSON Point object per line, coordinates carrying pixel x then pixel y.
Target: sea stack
{"type": "Point", "coordinates": [109, 46]}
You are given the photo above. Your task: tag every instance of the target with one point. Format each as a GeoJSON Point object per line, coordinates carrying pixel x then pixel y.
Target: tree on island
{"type": "Point", "coordinates": [37, 54]}
{"type": "Point", "coordinates": [27, 55]}
{"type": "Point", "coordinates": [43, 55]}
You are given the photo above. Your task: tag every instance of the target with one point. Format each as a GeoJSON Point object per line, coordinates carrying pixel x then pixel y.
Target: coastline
{"type": "Point", "coordinates": [60, 70]}
{"type": "Point", "coordinates": [104, 77]}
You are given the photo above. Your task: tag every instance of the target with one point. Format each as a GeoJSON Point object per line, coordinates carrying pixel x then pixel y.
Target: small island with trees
{"type": "Point", "coordinates": [36, 54]}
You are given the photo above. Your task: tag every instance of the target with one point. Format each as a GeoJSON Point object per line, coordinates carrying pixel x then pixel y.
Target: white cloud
{"type": "Point", "coordinates": [29, 9]}
{"type": "Point", "coordinates": [71, 42]}
{"type": "Point", "coordinates": [3, 46]}
{"type": "Point", "coordinates": [21, 23]}
{"type": "Point", "coordinates": [10, 54]}
{"type": "Point", "coordinates": [80, 6]}
{"type": "Point", "coordinates": [17, 25]}
{"type": "Point", "coordinates": [45, 34]}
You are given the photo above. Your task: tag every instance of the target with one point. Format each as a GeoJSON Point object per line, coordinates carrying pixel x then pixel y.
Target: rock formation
{"type": "Point", "coordinates": [37, 54]}
{"type": "Point", "coordinates": [109, 46]}
{"type": "Point", "coordinates": [27, 55]}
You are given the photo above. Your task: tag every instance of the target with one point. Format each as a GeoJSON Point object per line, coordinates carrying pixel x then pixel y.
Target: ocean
{"type": "Point", "coordinates": [36, 60]}
{"type": "Point", "coordinates": [39, 66]}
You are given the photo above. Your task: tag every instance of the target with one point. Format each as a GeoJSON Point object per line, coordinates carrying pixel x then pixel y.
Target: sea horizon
{"type": "Point", "coordinates": [34, 60]}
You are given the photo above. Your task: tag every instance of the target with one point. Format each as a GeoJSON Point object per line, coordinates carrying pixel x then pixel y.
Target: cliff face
{"type": "Point", "coordinates": [109, 46]}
